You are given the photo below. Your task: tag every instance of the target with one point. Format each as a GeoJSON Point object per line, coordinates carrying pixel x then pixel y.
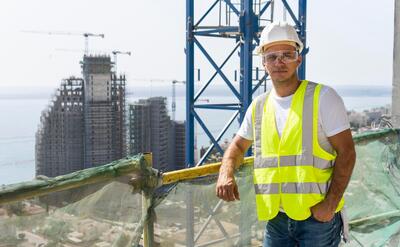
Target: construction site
{"type": "Point", "coordinates": [84, 124]}
{"type": "Point", "coordinates": [127, 173]}
{"type": "Point", "coordinates": [152, 130]}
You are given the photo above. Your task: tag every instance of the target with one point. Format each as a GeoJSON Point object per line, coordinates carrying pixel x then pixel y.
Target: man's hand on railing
{"type": "Point", "coordinates": [227, 188]}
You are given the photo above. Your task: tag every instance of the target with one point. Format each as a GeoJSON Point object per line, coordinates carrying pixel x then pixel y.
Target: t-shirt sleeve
{"type": "Point", "coordinates": [333, 114]}
{"type": "Point", "coordinates": [246, 128]}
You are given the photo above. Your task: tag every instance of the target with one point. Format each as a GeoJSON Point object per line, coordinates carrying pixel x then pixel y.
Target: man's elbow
{"type": "Point", "coordinates": [242, 144]}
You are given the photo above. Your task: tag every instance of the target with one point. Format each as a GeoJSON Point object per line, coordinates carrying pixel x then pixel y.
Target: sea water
{"type": "Point", "coordinates": [20, 116]}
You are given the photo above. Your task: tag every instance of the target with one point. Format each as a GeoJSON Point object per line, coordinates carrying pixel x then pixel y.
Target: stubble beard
{"type": "Point", "coordinates": [285, 82]}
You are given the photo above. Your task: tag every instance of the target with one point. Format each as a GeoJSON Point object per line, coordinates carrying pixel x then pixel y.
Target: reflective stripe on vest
{"type": "Point", "coordinates": [291, 170]}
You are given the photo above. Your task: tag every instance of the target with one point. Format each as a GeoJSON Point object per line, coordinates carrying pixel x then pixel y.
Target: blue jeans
{"type": "Point", "coordinates": [282, 231]}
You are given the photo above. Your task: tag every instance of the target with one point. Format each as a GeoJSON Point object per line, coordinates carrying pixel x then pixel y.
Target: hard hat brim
{"type": "Point", "coordinates": [260, 49]}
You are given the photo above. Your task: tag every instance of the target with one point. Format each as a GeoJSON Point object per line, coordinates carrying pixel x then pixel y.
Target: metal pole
{"type": "Point", "coordinates": [148, 228]}
{"type": "Point", "coordinates": [189, 83]}
{"type": "Point", "coordinates": [302, 32]}
{"type": "Point", "coordinates": [248, 27]}
{"type": "Point", "coordinates": [189, 218]}
{"type": "Point", "coordinates": [189, 117]}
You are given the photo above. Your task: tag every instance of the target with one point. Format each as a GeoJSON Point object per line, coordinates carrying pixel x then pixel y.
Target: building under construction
{"type": "Point", "coordinates": [59, 138]}
{"type": "Point", "coordinates": [104, 114]}
{"type": "Point", "coordinates": [177, 147]}
{"type": "Point", "coordinates": [151, 130]}
{"type": "Point", "coordinates": [84, 125]}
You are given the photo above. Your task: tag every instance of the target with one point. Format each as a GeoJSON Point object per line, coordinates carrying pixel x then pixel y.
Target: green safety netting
{"type": "Point", "coordinates": [373, 195]}
{"type": "Point", "coordinates": [111, 213]}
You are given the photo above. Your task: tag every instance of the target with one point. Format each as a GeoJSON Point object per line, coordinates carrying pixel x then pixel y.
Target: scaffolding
{"type": "Point", "coordinates": [104, 112]}
{"type": "Point", "coordinates": [59, 139]}
{"type": "Point", "coordinates": [84, 122]}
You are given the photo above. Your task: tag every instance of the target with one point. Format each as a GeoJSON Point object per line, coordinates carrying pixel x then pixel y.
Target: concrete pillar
{"type": "Point", "coordinates": [396, 67]}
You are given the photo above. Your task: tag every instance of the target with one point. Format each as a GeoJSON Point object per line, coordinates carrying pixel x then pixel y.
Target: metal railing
{"type": "Point", "coordinates": [143, 178]}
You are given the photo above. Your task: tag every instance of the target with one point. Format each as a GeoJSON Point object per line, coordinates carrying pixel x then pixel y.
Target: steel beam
{"type": "Point", "coordinates": [189, 83]}
{"type": "Point", "coordinates": [302, 33]}
{"type": "Point", "coordinates": [249, 26]}
{"type": "Point", "coordinates": [189, 138]}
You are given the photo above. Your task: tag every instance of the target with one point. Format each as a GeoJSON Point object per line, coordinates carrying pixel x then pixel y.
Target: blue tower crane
{"type": "Point", "coordinates": [250, 17]}
{"type": "Point", "coordinates": [244, 20]}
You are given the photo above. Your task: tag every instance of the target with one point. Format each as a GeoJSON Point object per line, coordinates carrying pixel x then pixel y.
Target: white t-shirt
{"type": "Point", "coordinates": [332, 116]}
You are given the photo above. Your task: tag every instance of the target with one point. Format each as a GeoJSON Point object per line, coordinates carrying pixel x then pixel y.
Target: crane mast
{"type": "Point", "coordinates": [87, 35]}
{"type": "Point", "coordinates": [115, 54]}
{"type": "Point", "coordinates": [173, 104]}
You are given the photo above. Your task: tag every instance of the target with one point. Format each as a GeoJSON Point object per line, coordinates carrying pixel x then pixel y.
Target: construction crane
{"type": "Point", "coordinates": [174, 82]}
{"type": "Point", "coordinates": [173, 104]}
{"type": "Point", "coordinates": [85, 35]}
{"type": "Point", "coordinates": [116, 53]}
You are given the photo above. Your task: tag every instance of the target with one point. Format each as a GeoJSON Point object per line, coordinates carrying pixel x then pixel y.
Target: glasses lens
{"type": "Point", "coordinates": [284, 56]}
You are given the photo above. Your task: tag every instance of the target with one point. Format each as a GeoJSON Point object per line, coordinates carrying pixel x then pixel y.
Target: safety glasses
{"type": "Point", "coordinates": [283, 56]}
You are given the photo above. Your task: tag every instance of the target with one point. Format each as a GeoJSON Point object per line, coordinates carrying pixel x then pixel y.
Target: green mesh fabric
{"type": "Point", "coordinates": [107, 216]}
{"type": "Point", "coordinates": [215, 222]}
{"type": "Point", "coordinates": [373, 198]}
{"type": "Point", "coordinates": [110, 214]}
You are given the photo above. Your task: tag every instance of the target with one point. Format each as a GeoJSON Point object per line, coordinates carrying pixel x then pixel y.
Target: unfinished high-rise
{"type": "Point", "coordinates": [151, 130]}
{"type": "Point", "coordinates": [84, 125]}
{"type": "Point", "coordinates": [104, 114]}
{"type": "Point", "coordinates": [59, 138]}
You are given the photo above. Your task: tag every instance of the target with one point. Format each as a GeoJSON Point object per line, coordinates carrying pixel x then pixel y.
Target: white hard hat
{"type": "Point", "coordinates": [279, 33]}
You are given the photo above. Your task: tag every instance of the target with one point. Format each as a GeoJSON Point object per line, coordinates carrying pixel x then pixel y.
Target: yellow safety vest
{"type": "Point", "coordinates": [291, 170]}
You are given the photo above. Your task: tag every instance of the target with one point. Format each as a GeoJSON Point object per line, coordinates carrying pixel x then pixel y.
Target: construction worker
{"type": "Point", "coordinates": [303, 150]}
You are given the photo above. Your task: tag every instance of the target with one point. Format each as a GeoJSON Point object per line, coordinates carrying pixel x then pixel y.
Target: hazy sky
{"type": "Point", "coordinates": [350, 41]}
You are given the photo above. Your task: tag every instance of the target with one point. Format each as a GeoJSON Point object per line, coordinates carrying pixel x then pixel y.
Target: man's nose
{"type": "Point", "coordinates": [279, 60]}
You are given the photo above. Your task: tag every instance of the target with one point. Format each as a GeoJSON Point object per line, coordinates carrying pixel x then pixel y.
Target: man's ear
{"type": "Point", "coordinates": [299, 60]}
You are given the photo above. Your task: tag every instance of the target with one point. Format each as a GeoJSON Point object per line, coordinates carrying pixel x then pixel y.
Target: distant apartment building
{"type": "Point", "coordinates": [177, 147]}
{"type": "Point", "coordinates": [151, 130]}
{"type": "Point", "coordinates": [84, 125]}
{"type": "Point", "coordinates": [139, 127]}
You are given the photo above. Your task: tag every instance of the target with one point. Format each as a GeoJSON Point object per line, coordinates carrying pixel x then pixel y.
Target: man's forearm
{"type": "Point", "coordinates": [342, 171]}
{"type": "Point", "coordinates": [233, 158]}
{"type": "Point", "coordinates": [226, 187]}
